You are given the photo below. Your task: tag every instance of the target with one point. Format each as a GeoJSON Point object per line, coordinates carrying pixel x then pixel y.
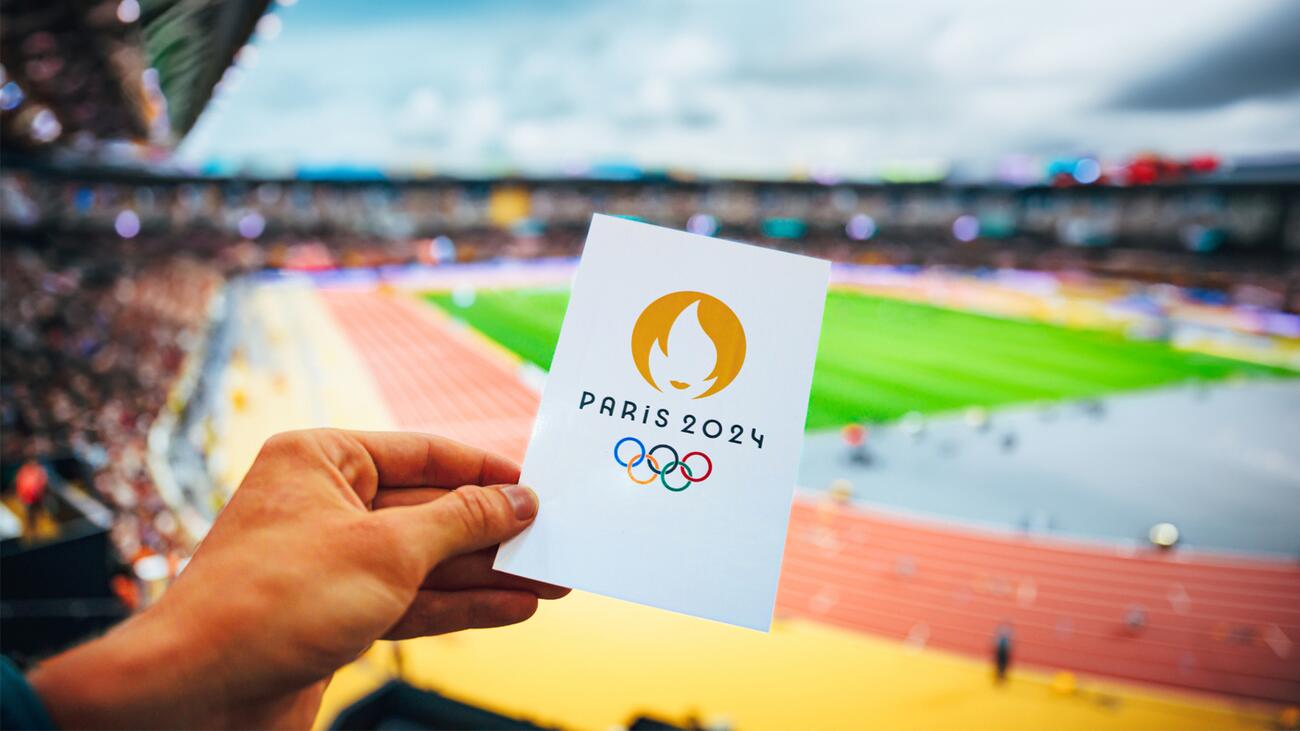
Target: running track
{"type": "Point", "coordinates": [435, 377]}
{"type": "Point", "coordinates": [1211, 624]}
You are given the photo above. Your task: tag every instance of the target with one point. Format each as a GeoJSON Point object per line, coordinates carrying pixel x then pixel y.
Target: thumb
{"type": "Point", "coordinates": [467, 519]}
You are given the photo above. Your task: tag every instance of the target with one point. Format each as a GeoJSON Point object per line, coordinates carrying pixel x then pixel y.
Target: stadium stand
{"type": "Point", "coordinates": [59, 578]}
{"type": "Point", "coordinates": [109, 71]}
{"type": "Point", "coordinates": [92, 340]}
{"type": "Point", "coordinates": [122, 280]}
{"type": "Point", "coordinates": [1214, 234]}
{"type": "Point", "coordinates": [399, 704]}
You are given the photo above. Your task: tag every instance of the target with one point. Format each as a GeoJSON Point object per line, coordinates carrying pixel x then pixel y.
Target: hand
{"type": "Point", "coordinates": [333, 540]}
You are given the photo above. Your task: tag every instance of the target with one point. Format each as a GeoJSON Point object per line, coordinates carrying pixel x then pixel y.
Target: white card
{"type": "Point", "coordinates": [675, 348]}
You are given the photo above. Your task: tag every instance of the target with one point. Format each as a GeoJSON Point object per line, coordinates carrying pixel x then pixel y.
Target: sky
{"type": "Point", "coordinates": [752, 89]}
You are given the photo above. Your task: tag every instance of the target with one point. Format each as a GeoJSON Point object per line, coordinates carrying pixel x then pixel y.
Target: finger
{"type": "Point", "coordinates": [407, 496]}
{"type": "Point", "coordinates": [467, 519]}
{"type": "Point", "coordinates": [474, 571]}
{"type": "Point", "coordinates": [411, 459]}
{"type": "Point", "coordinates": [438, 612]}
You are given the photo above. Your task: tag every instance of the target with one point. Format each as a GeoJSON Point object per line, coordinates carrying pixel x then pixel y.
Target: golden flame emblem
{"type": "Point", "coordinates": [717, 321]}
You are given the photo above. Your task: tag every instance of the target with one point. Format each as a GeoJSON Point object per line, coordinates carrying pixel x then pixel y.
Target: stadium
{"type": "Point", "coordinates": [1053, 407]}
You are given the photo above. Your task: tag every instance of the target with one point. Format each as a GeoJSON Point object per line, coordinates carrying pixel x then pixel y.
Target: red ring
{"type": "Point", "coordinates": [707, 472]}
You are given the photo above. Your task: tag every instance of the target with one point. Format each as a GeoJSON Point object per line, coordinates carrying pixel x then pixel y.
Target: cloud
{"type": "Point", "coordinates": [750, 88]}
{"type": "Point", "coordinates": [1262, 61]}
{"type": "Point", "coordinates": [422, 117]}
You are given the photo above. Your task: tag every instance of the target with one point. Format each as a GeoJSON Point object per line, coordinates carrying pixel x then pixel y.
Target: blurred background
{"type": "Point", "coordinates": [1050, 477]}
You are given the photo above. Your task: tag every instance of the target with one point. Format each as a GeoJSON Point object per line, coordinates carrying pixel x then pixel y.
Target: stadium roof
{"type": "Point", "coordinates": [192, 43]}
{"type": "Point", "coordinates": [140, 71]}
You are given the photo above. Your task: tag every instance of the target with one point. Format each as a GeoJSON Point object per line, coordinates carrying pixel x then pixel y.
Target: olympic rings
{"type": "Point", "coordinates": [707, 472]}
{"type": "Point", "coordinates": [663, 476]}
{"type": "Point", "coordinates": [675, 458]}
{"type": "Point", "coordinates": [639, 457]}
{"type": "Point", "coordinates": [654, 465]}
{"type": "Point", "coordinates": [669, 467]}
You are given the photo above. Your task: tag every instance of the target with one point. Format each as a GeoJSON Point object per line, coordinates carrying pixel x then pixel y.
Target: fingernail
{"type": "Point", "coordinates": [522, 499]}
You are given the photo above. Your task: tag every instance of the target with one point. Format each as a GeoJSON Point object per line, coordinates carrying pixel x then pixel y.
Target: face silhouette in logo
{"type": "Point", "coordinates": [713, 318]}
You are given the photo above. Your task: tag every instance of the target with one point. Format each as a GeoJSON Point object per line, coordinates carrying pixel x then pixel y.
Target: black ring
{"type": "Point", "coordinates": [675, 459]}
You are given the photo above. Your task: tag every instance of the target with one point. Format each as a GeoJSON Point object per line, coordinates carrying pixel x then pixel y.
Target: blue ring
{"type": "Point", "coordinates": [639, 457]}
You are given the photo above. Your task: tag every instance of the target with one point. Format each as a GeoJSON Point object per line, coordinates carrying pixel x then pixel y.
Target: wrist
{"type": "Point", "coordinates": [141, 674]}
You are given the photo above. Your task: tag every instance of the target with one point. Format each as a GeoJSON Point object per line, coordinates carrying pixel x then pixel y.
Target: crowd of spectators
{"type": "Point", "coordinates": [110, 292]}
{"type": "Point", "coordinates": [1208, 236]}
{"type": "Point", "coordinates": [91, 339]}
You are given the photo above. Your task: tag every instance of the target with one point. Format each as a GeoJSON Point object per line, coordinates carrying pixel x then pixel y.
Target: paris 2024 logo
{"type": "Point", "coordinates": [686, 343]}
{"type": "Point", "coordinates": [716, 321]}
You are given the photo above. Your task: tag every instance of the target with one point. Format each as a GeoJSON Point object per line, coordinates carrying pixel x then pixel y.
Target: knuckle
{"type": "Point", "coordinates": [289, 443]}
{"type": "Point", "coordinates": [280, 443]}
{"type": "Point", "coordinates": [324, 445]}
{"type": "Point", "coordinates": [474, 508]}
{"type": "Point", "coordinates": [352, 459]}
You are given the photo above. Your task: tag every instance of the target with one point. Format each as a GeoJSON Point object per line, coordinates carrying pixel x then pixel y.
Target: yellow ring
{"type": "Point", "coordinates": [654, 466]}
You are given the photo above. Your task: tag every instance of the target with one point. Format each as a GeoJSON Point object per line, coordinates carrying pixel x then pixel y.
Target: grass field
{"type": "Point", "coordinates": [881, 358]}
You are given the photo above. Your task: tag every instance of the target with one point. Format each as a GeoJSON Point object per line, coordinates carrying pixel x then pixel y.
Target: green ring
{"type": "Point", "coordinates": [663, 475]}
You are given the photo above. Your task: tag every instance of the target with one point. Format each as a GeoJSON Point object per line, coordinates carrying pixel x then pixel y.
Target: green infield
{"type": "Point", "coordinates": [881, 358]}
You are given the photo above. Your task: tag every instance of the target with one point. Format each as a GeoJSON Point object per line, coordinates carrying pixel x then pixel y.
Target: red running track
{"type": "Point", "coordinates": [434, 376]}
{"type": "Point", "coordinates": [1213, 624]}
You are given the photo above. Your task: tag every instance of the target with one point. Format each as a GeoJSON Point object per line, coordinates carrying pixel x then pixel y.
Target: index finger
{"type": "Point", "coordinates": [412, 459]}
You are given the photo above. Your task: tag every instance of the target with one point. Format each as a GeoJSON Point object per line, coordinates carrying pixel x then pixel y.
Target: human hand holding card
{"type": "Point", "coordinates": [667, 444]}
